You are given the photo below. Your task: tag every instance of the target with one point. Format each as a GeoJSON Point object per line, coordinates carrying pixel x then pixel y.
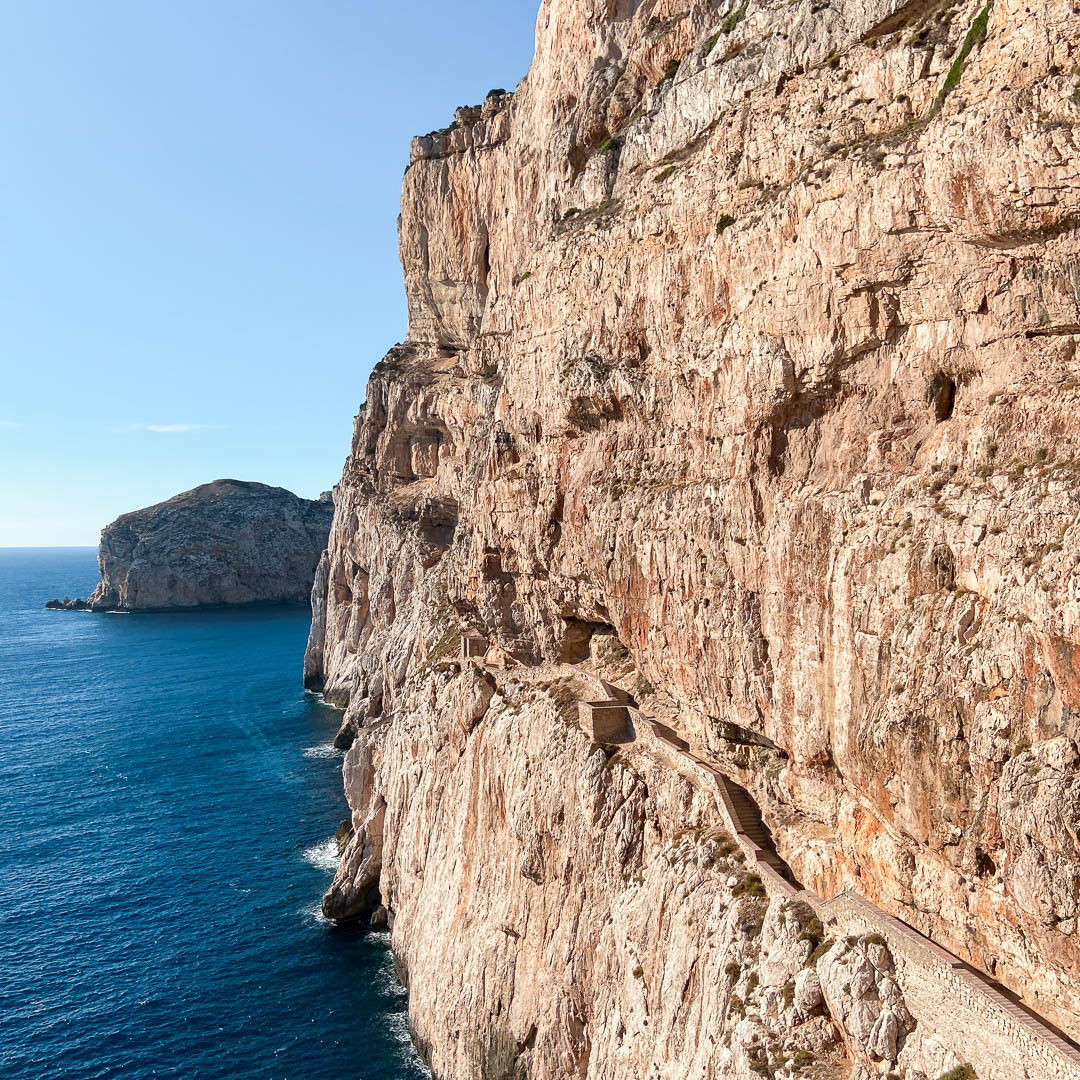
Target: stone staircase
{"type": "Point", "coordinates": [1049, 1051]}
{"type": "Point", "coordinates": [750, 824]}
{"type": "Point", "coordinates": [748, 816]}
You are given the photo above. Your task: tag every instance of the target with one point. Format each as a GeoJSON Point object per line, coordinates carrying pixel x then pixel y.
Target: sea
{"type": "Point", "coordinates": [168, 794]}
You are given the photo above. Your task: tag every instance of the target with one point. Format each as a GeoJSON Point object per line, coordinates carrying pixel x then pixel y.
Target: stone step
{"type": "Point", "coordinates": [748, 823]}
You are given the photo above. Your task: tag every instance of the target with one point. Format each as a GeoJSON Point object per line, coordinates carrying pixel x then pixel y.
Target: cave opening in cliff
{"type": "Point", "coordinates": [577, 638]}
{"type": "Point", "coordinates": [943, 396]}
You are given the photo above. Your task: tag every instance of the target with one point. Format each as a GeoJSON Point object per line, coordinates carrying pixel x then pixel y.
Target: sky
{"type": "Point", "coordinates": [198, 234]}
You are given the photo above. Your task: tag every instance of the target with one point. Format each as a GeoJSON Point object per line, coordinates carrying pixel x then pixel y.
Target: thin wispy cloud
{"type": "Point", "coordinates": [171, 429]}
{"type": "Point", "coordinates": [11, 423]}
{"type": "Point", "coordinates": [167, 429]}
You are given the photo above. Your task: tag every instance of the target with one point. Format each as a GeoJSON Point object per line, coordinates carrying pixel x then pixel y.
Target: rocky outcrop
{"type": "Point", "coordinates": [742, 342]}
{"type": "Point", "coordinates": [67, 604]}
{"type": "Point", "coordinates": [227, 543]}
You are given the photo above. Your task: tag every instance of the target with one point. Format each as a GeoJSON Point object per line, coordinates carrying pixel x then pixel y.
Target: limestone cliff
{"type": "Point", "coordinates": [225, 543]}
{"type": "Point", "coordinates": [742, 338]}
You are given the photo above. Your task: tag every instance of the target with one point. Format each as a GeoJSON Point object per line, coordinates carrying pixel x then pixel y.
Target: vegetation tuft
{"type": "Point", "coordinates": [975, 36]}
{"type": "Point", "coordinates": [670, 70]}
{"type": "Point", "coordinates": [819, 952]}
{"type": "Point", "coordinates": [734, 18]}
{"type": "Point", "coordinates": [750, 885]}
{"type": "Point", "coordinates": [961, 1072]}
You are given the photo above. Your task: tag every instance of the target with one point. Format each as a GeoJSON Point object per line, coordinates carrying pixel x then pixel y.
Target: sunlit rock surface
{"type": "Point", "coordinates": [743, 337]}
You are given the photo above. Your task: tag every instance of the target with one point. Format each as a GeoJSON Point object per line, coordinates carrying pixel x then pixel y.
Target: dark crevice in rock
{"type": "Point", "coordinates": [943, 396]}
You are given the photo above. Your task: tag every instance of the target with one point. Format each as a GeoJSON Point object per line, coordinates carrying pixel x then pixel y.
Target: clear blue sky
{"type": "Point", "coordinates": [198, 252]}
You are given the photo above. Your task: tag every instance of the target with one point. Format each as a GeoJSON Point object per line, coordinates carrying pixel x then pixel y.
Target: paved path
{"type": "Point", "coordinates": [755, 837]}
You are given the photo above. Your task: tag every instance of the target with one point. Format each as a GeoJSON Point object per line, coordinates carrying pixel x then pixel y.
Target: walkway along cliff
{"type": "Point", "coordinates": [741, 373]}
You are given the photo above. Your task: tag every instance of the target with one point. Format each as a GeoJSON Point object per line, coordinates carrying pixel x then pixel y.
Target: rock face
{"type": "Point", "coordinates": [226, 543]}
{"type": "Point", "coordinates": [743, 338]}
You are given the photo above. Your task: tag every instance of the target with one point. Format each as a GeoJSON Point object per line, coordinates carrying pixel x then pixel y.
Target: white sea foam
{"type": "Point", "coordinates": [397, 1027]}
{"type": "Point", "coordinates": [322, 700]}
{"type": "Point", "coordinates": [313, 914]}
{"type": "Point", "coordinates": [324, 855]}
{"type": "Point", "coordinates": [326, 750]}
{"type": "Point", "coordinates": [397, 1024]}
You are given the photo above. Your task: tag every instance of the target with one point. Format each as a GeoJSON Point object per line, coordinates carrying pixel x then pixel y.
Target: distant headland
{"type": "Point", "coordinates": [223, 544]}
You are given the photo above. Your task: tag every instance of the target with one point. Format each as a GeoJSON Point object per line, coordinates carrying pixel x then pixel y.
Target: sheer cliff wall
{"type": "Point", "coordinates": [744, 336]}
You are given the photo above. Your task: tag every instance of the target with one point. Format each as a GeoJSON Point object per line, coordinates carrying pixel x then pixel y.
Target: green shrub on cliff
{"type": "Point", "coordinates": [751, 885]}
{"type": "Point", "coordinates": [669, 71]}
{"type": "Point", "coordinates": [961, 1072]}
{"type": "Point", "coordinates": [819, 952]}
{"type": "Point", "coordinates": [734, 18]}
{"type": "Point", "coordinates": [974, 38]}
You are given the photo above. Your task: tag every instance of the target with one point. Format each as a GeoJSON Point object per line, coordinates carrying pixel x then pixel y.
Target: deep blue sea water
{"type": "Point", "coordinates": [167, 791]}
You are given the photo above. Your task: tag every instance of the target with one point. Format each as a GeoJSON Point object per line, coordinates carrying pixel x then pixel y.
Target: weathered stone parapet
{"type": "Point", "coordinates": [1001, 1039]}
{"type": "Point", "coordinates": [606, 721]}
{"type": "Point", "coordinates": [473, 646]}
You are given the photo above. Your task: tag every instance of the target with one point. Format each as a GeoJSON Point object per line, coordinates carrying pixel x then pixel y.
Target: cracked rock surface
{"type": "Point", "coordinates": [742, 340]}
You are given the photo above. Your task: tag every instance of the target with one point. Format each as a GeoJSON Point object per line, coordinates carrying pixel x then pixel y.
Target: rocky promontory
{"type": "Point", "coordinates": [227, 543]}
{"type": "Point", "coordinates": [742, 377]}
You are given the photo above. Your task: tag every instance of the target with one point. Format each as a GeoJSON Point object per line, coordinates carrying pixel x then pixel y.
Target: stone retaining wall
{"type": "Point", "coordinates": [1002, 1040]}
{"type": "Point", "coordinates": [999, 1038]}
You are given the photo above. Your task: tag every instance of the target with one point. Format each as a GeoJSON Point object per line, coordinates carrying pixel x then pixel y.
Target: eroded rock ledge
{"type": "Point", "coordinates": [230, 542]}
{"type": "Point", "coordinates": [741, 370]}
